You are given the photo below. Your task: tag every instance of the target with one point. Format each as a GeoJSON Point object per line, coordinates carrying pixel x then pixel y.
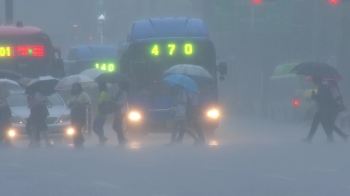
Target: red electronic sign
{"type": "Point", "coordinates": [27, 51]}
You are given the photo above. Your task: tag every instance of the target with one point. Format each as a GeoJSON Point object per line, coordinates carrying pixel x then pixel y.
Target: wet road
{"type": "Point", "coordinates": [247, 157]}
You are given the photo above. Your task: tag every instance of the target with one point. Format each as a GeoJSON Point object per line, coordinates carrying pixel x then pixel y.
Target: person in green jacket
{"type": "Point", "coordinates": [100, 119]}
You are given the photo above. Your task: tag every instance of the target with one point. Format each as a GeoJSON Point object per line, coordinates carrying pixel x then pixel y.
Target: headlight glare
{"type": "Point", "coordinates": [134, 116]}
{"type": "Point", "coordinates": [11, 133]}
{"type": "Point", "coordinates": [213, 113]}
{"type": "Point", "coordinates": [70, 131]}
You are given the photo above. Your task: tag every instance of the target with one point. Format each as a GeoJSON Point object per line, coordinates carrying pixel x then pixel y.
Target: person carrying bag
{"type": "Point", "coordinates": [78, 103]}
{"type": "Point", "coordinates": [103, 109]}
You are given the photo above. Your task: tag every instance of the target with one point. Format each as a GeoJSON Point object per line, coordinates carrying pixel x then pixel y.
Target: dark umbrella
{"type": "Point", "coordinates": [48, 84]}
{"type": "Point", "coordinates": [315, 69]}
{"type": "Point", "coordinates": [9, 74]}
{"type": "Point", "coordinates": [112, 78]}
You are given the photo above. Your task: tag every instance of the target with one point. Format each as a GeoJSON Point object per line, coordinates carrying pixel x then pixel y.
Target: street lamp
{"type": "Point", "coordinates": [101, 20]}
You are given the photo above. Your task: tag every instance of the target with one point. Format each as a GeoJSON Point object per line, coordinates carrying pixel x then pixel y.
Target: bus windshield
{"type": "Point", "coordinates": [149, 60]}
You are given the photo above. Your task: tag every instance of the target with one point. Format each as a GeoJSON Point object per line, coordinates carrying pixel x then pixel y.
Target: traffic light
{"type": "Point", "coordinates": [296, 103]}
{"type": "Point", "coordinates": [333, 1]}
{"type": "Point", "coordinates": [257, 2]}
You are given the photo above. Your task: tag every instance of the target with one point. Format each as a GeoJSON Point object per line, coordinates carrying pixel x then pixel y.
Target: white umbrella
{"type": "Point", "coordinates": [10, 85]}
{"type": "Point", "coordinates": [189, 70]}
{"type": "Point", "coordinates": [92, 73]}
{"type": "Point", "coordinates": [66, 83]}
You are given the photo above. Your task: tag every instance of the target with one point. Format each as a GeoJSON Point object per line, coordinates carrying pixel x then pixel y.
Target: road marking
{"type": "Point", "coordinates": [16, 165]}
{"type": "Point", "coordinates": [281, 177]}
{"type": "Point", "coordinates": [324, 169]}
{"type": "Point", "coordinates": [106, 185]}
{"type": "Point", "coordinates": [213, 168]}
{"type": "Point", "coordinates": [58, 174]}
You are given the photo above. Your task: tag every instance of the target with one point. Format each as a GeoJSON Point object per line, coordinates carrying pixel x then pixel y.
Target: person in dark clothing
{"type": "Point", "coordinates": [30, 121]}
{"type": "Point", "coordinates": [78, 103]}
{"type": "Point", "coordinates": [5, 120]}
{"type": "Point", "coordinates": [100, 119]}
{"type": "Point", "coordinates": [121, 99]}
{"type": "Point", "coordinates": [38, 115]}
{"type": "Point", "coordinates": [323, 113]}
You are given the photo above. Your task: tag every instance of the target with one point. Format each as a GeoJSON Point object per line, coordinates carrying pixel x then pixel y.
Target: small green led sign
{"type": "Point", "coordinates": [171, 49]}
{"type": "Point", "coordinates": [110, 67]}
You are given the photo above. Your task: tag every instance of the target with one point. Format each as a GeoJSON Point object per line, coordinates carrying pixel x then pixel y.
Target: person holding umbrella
{"type": "Point", "coordinates": [182, 85]}
{"type": "Point", "coordinates": [77, 103]}
{"type": "Point", "coordinates": [100, 119]}
{"type": "Point", "coordinates": [38, 89]}
{"type": "Point", "coordinates": [193, 114]}
{"type": "Point", "coordinates": [324, 98]}
{"type": "Point", "coordinates": [323, 113]}
{"type": "Point", "coordinates": [38, 115]}
{"type": "Point", "coordinates": [120, 104]}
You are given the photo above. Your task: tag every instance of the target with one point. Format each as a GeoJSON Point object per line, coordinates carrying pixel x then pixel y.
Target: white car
{"type": "Point", "coordinates": [58, 120]}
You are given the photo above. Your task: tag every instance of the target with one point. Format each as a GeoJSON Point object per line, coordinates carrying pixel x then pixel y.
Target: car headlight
{"type": "Point", "coordinates": [64, 118]}
{"type": "Point", "coordinates": [17, 120]}
{"type": "Point", "coordinates": [11, 133]}
{"type": "Point", "coordinates": [70, 131]}
{"type": "Point", "coordinates": [213, 113]}
{"type": "Point", "coordinates": [134, 116]}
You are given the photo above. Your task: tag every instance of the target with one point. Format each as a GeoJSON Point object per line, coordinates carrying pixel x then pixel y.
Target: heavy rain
{"type": "Point", "coordinates": [170, 98]}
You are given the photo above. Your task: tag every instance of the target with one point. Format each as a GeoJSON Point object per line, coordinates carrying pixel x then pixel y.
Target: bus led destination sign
{"type": "Point", "coordinates": [35, 51]}
{"type": "Point", "coordinates": [22, 51]}
{"type": "Point", "coordinates": [172, 49]}
{"type": "Point", "coordinates": [6, 51]}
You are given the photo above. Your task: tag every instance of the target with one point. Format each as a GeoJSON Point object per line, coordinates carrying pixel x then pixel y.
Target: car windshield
{"type": "Point", "coordinates": [20, 100]}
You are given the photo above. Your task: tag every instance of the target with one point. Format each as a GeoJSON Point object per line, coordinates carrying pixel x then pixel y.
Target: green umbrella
{"type": "Point", "coordinates": [283, 71]}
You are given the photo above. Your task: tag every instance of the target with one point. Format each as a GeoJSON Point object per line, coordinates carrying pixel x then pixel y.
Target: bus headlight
{"type": "Point", "coordinates": [70, 131]}
{"type": "Point", "coordinates": [134, 116]}
{"type": "Point", "coordinates": [213, 113]}
{"type": "Point", "coordinates": [11, 133]}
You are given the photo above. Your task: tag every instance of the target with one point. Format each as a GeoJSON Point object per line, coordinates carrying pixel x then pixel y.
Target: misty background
{"type": "Point", "coordinates": [251, 38]}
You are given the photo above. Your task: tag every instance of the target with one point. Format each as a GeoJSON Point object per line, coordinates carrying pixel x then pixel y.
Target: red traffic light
{"type": "Point", "coordinates": [296, 103]}
{"type": "Point", "coordinates": [257, 1]}
{"type": "Point", "coordinates": [333, 1]}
